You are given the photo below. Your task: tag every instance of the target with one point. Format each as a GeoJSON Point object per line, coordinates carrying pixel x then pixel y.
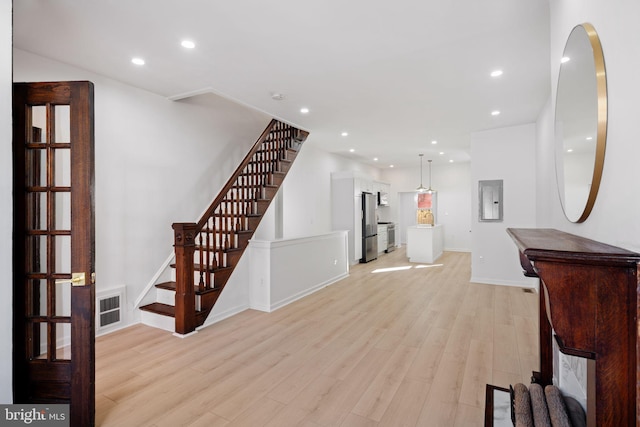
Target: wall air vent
{"type": "Point", "coordinates": [109, 309]}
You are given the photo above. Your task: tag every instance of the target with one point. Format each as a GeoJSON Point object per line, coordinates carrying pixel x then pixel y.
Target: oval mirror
{"type": "Point", "coordinates": [580, 122]}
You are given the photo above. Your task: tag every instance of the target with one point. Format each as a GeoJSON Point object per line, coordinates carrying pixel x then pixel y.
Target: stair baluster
{"type": "Point", "coordinates": [223, 232]}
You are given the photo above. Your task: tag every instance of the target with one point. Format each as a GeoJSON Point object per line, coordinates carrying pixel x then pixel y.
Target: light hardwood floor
{"type": "Point", "coordinates": [408, 347]}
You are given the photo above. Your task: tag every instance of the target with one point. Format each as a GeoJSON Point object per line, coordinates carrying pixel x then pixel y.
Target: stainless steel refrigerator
{"type": "Point", "coordinates": [369, 227]}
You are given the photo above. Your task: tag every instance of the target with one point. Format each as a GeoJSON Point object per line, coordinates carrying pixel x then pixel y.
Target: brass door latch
{"type": "Point", "coordinates": [77, 279]}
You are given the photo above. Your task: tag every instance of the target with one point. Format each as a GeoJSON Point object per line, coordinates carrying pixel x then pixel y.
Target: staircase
{"type": "Point", "coordinates": [207, 252]}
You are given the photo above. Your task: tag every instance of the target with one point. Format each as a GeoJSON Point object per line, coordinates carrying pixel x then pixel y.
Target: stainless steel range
{"type": "Point", "coordinates": [391, 237]}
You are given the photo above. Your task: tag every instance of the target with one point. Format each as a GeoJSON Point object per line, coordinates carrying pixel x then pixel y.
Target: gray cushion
{"type": "Point", "coordinates": [522, 406]}
{"type": "Point", "coordinates": [557, 410]}
{"type": "Point", "coordinates": [539, 406]}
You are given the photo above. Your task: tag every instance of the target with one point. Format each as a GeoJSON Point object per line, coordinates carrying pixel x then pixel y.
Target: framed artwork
{"type": "Point", "coordinates": [426, 204]}
{"type": "Point", "coordinates": [425, 200]}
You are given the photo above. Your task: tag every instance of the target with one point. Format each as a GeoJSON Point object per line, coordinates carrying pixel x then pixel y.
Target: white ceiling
{"type": "Point", "coordinates": [394, 75]}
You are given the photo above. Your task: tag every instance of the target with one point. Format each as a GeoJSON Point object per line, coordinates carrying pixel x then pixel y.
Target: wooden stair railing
{"type": "Point", "coordinates": [207, 252]}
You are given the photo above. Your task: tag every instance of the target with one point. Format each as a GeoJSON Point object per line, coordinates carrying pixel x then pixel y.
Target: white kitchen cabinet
{"type": "Point", "coordinates": [346, 207]}
{"type": "Point", "coordinates": [382, 238]}
{"type": "Point", "coordinates": [364, 185]}
{"type": "Point", "coordinates": [357, 228]}
{"type": "Point", "coordinates": [381, 187]}
{"type": "Point", "coordinates": [425, 243]}
{"type": "Point", "coordinates": [346, 211]}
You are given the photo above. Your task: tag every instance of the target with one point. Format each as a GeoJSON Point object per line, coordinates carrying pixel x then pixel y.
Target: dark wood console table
{"type": "Point", "coordinates": [589, 298]}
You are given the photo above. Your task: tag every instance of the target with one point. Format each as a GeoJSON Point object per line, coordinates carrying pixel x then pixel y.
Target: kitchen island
{"type": "Point", "coordinates": [425, 243]}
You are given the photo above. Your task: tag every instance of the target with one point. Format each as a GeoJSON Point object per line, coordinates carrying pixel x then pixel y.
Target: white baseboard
{"type": "Point", "coordinates": [518, 284]}
{"type": "Point", "coordinates": [107, 331]}
{"type": "Point", "coordinates": [306, 292]}
{"type": "Point", "coordinates": [217, 317]}
{"type": "Point", "coordinates": [175, 334]}
{"type": "Point", "coordinates": [457, 250]}
{"type": "Point", "coordinates": [260, 307]}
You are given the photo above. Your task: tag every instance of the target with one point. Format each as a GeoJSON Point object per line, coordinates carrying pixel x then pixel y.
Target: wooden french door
{"type": "Point", "coordinates": [54, 255]}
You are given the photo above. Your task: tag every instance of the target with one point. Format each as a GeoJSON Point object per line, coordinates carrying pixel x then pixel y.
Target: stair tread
{"type": "Point", "coordinates": [257, 162]}
{"type": "Point", "coordinates": [272, 172]}
{"type": "Point", "coordinates": [289, 149]}
{"type": "Point", "coordinates": [212, 249]}
{"type": "Point", "coordinates": [211, 269]}
{"type": "Point", "coordinates": [160, 308]}
{"type": "Point", "coordinates": [163, 309]}
{"type": "Point", "coordinates": [248, 215]}
{"type": "Point", "coordinates": [255, 186]}
{"type": "Point", "coordinates": [171, 286]}
{"type": "Point", "coordinates": [206, 229]}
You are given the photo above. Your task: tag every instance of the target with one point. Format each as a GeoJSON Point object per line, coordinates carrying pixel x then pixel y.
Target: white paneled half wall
{"type": "Point", "coordinates": [285, 270]}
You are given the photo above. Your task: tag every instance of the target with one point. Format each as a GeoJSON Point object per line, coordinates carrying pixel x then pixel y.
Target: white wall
{"type": "Point", "coordinates": [451, 181]}
{"type": "Point", "coordinates": [157, 162]}
{"type": "Point", "coordinates": [155, 155]}
{"type": "Point", "coordinates": [306, 194]}
{"type": "Point", "coordinates": [507, 154]}
{"type": "Point", "coordinates": [547, 198]}
{"type": "Point", "coordinates": [614, 218]}
{"type": "Point", "coordinates": [6, 201]}
{"type": "Point", "coordinates": [307, 189]}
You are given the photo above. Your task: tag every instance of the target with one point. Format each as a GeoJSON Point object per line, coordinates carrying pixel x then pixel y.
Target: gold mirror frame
{"type": "Point", "coordinates": [601, 126]}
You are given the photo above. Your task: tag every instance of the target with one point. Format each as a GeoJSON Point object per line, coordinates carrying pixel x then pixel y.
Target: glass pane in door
{"type": "Point", "coordinates": [62, 124]}
{"type": "Point", "coordinates": [38, 297]}
{"type": "Point", "coordinates": [63, 299]}
{"type": "Point", "coordinates": [38, 124]}
{"type": "Point", "coordinates": [62, 158]}
{"type": "Point", "coordinates": [63, 211]}
{"type": "Point", "coordinates": [37, 211]}
{"type": "Point", "coordinates": [36, 159]}
{"type": "Point", "coordinates": [63, 347]}
{"type": "Point", "coordinates": [36, 247]}
{"type": "Point", "coordinates": [39, 337]}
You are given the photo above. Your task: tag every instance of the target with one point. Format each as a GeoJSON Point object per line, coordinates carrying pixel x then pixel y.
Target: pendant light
{"type": "Point", "coordinates": [421, 188]}
{"type": "Point", "coordinates": [430, 190]}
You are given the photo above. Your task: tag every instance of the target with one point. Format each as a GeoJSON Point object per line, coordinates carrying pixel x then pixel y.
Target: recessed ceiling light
{"type": "Point", "coordinates": [375, 159]}
{"type": "Point", "coordinates": [441, 153]}
{"type": "Point", "coordinates": [304, 110]}
{"type": "Point", "coordinates": [451, 161]}
{"type": "Point", "coordinates": [345, 134]}
{"type": "Point", "coordinates": [434, 142]}
{"type": "Point", "coordinates": [589, 138]}
{"type": "Point", "coordinates": [496, 73]}
{"type": "Point", "coordinates": [188, 44]}
{"type": "Point", "coordinates": [570, 150]}
{"type": "Point", "coordinates": [390, 166]}
{"type": "Point", "coordinates": [138, 61]}
{"type": "Point", "coordinates": [495, 113]}
{"type": "Point", "coordinates": [351, 150]}
{"type": "Point", "coordinates": [564, 59]}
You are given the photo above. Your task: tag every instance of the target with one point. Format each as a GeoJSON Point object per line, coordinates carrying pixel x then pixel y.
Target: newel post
{"type": "Point", "coordinates": [184, 238]}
